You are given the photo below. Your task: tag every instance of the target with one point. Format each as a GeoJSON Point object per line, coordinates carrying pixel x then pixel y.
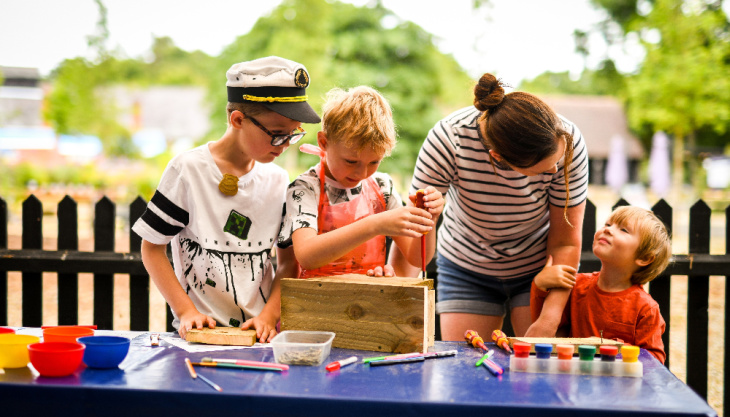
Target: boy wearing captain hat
{"type": "Point", "coordinates": [220, 206]}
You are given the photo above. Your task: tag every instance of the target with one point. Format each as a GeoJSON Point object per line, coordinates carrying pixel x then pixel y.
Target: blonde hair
{"type": "Point", "coordinates": [654, 241]}
{"type": "Point", "coordinates": [359, 117]}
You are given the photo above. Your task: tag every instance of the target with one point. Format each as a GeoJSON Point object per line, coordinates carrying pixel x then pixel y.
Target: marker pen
{"type": "Point", "coordinates": [396, 361]}
{"type": "Point", "coordinates": [339, 364]}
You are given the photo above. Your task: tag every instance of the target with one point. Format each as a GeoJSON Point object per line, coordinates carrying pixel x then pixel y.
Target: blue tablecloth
{"type": "Point", "coordinates": [153, 381]}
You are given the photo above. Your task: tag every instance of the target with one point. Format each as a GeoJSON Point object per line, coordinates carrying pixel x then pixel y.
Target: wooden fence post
{"type": "Point", "coordinates": [589, 227]}
{"type": "Point", "coordinates": [139, 285]}
{"type": "Point", "coordinates": [698, 294]}
{"type": "Point", "coordinates": [726, 373]}
{"type": "Point", "coordinates": [104, 220]}
{"type": "Point", "coordinates": [3, 274]}
{"type": "Point", "coordinates": [32, 238]}
{"type": "Point", "coordinates": [660, 287]}
{"type": "Point", "coordinates": [68, 283]}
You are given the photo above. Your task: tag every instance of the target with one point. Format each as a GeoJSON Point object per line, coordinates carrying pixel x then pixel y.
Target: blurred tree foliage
{"type": "Point", "coordinates": [80, 100]}
{"type": "Point", "coordinates": [682, 86]}
{"type": "Point", "coordinates": [344, 46]}
{"type": "Point", "coordinates": [340, 44]}
{"type": "Point", "coordinates": [605, 80]}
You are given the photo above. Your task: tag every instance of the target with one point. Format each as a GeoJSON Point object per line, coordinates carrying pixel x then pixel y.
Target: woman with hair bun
{"type": "Point", "coordinates": [515, 177]}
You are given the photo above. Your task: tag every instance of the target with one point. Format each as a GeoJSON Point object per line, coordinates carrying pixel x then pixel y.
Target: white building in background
{"type": "Point", "coordinates": [24, 136]}
{"type": "Point", "coordinates": [159, 118]}
{"type": "Point", "coordinates": [600, 119]}
{"type": "Point", "coordinates": [163, 117]}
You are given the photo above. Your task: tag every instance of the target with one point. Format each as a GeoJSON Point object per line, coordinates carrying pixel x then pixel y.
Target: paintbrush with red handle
{"type": "Point", "coordinates": [420, 204]}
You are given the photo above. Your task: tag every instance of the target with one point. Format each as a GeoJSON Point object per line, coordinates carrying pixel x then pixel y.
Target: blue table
{"type": "Point", "coordinates": [153, 381]}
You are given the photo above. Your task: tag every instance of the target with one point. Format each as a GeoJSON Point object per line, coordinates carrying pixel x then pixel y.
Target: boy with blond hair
{"type": "Point", "coordinates": [220, 207]}
{"type": "Point", "coordinates": [634, 248]}
{"type": "Point", "coordinates": [339, 211]}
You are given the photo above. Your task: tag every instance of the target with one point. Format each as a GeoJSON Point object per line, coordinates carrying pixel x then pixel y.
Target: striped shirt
{"type": "Point", "coordinates": [493, 223]}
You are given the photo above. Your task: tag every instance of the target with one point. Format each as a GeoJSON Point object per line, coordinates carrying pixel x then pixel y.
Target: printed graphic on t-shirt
{"type": "Point", "coordinates": [220, 270]}
{"type": "Point", "coordinates": [238, 225]}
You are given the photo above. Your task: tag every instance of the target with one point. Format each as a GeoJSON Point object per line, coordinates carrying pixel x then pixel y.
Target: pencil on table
{"type": "Point", "coordinates": [195, 375]}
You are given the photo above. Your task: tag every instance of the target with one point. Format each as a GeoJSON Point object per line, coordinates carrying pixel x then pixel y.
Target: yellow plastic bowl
{"type": "Point", "coordinates": [14, 350]}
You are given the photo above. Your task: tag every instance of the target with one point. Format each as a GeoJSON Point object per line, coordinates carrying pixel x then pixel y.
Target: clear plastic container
{"type": "Point", "coordinates": [299, 347]}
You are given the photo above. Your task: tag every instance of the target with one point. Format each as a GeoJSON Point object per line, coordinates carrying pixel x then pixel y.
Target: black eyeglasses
{"type": "Point", "coordinates": [278, 140]}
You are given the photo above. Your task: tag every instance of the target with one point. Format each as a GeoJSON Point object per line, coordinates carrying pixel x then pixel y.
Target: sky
{"type": "Point", "coordinates": [515, 39]}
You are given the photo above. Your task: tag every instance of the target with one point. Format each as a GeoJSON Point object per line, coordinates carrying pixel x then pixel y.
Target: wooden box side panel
{"type": "Point", "coordinates": [364, 316]}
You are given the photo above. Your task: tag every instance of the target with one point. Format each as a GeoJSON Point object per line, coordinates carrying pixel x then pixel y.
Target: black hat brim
{"type": "Point", "coordinates": [299, 111]}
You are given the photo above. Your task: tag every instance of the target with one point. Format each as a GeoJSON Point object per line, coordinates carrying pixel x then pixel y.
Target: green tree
{"type": "Point", "coordinates": [80, 99]}
{"type": "Point", "coordinates": [343, 46]}
{"type": "Point", "coordinates": [682, 86]}
{"type": "Point", "coordinates": [605, 80]}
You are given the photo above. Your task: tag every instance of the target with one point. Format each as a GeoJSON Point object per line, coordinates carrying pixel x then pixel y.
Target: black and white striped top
{"type": "Point", "coordinates": [494, 223]}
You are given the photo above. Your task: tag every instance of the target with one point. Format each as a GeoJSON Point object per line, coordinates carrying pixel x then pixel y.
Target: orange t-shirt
{"type": "Point", "coordinates": [630, 315]}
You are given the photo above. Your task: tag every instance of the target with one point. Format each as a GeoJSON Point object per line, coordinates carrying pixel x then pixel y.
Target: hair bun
{"type": "Point", "coordinates": [488, 93]}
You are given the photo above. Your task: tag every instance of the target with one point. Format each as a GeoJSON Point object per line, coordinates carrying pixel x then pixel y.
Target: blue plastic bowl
{"type": "Point", "coordinates": [104, 351]}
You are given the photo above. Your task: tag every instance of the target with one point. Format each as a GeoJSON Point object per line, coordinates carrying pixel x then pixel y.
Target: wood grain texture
{"type": "Point", "coordinates": [232, 336]}
{"type": "Point", "coordinates": [576, 341]}
{"type": "Point", "coordinates": [366, 313]}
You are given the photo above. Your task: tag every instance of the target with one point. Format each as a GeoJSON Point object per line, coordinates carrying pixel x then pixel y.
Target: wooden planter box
{"type": "Point", "coordinates": [366, 313]}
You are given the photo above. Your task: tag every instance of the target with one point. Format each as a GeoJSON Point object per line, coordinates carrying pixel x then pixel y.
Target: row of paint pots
{"type": "Point", "coordinates": [62, 350]}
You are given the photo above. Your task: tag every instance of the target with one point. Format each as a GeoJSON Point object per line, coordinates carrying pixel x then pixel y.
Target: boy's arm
{"type": "Point", "coordinates": [154, 258]}
{"type": "Point", "coordinates": [563, 246]}
{"type": "Point", "coordinates": [265, 323]}
{"type": "Point", "coordinates": [313, 250]}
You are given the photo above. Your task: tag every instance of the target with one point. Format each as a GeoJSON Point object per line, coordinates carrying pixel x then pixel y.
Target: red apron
{"type": "Point", "coordinates": [370, 201]}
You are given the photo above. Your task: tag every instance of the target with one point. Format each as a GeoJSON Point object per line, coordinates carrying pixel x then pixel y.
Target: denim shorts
{"type": "Point", "coordinates": [459, 290]}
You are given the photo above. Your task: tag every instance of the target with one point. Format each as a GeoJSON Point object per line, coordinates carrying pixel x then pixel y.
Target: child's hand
{"type": "Point", "coordinates": [433, 201]}
{"type": "Point", "coordinates": [265, 328]}
{"type": "Point", "coordinates": [555, 276]}
{"type": "Point", "coordinates": [194, 319]}
{"type": "Point", "coordinates": [384, 271]}
{"type": "Point", "coordinates": [403, 221]}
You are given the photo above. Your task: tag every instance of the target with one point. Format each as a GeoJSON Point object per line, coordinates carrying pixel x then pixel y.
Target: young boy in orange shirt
{"type": "Point", "coordinates": [339, 211]}
{"type": "Point", "coordinates": [634, 248]}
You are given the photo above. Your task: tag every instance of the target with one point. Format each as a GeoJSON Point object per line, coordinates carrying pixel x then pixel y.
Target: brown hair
{"type": "Point", "coordinates": [654, 241]}
{"type": "Point", "coordinates": [359, 117]}
{"type": "Point", "coordinates": [250, 109]}
{"type": "Point", "coordinates": [521, 128]}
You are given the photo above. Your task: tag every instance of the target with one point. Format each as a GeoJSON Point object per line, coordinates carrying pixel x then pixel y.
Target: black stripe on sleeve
{"type": "Point", "coordinates": [159, 225]}
{"type": "Point", "coordinates": [170, 208]}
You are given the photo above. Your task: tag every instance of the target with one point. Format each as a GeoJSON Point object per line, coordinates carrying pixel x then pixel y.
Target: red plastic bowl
{"type": "Point", "coordinates": [67, 334]}
{"type": "Point", "coordinates": [6, 330]}
{"type": "Point", "coordinates": [56, 358]}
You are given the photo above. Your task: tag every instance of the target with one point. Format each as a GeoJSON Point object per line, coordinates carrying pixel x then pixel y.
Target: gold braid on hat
{"type": "Point", "coordinates": [295, 99]}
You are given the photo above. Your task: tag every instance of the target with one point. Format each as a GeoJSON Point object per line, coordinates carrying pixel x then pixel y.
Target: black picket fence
{"type": "Point", "coordinates": [67, 261]}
